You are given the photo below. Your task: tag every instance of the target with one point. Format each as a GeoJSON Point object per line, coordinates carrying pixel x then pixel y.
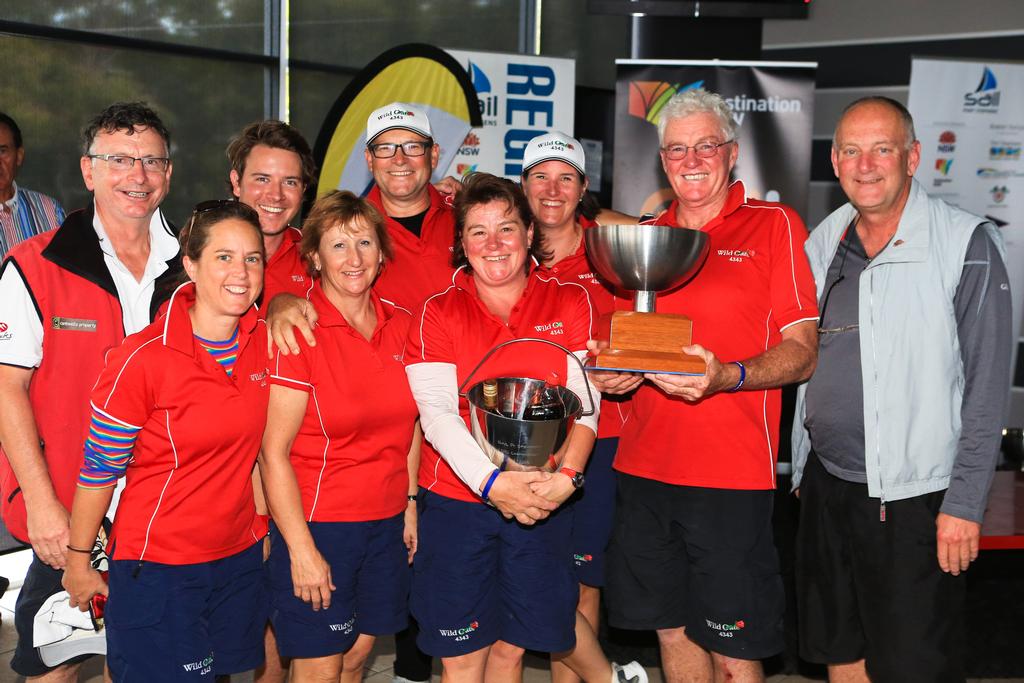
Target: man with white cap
{"type": "Point", "coordinates": [401, 154]}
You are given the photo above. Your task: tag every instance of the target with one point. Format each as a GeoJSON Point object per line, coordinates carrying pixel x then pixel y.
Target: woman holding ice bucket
{"type": "Point", "coordinates": [493, 575]}
{"type": "Point", "coordinates": [340, 444]}
{"type": "Point", "coordinates": [180, 409]}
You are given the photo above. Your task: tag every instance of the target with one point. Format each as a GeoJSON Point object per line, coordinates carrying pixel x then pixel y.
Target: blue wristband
{"type": "Point", "coordinates": [489, 484]}
{"type": "Point", "coordinates": [743, 376]}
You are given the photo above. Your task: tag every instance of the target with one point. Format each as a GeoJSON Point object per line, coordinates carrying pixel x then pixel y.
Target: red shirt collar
{"type": "Point", "coordinates": [736, 198]}
{"type": "Point", "coordinates": [329, 316]}
{"type": "Point", "coordinates": [178, 333]}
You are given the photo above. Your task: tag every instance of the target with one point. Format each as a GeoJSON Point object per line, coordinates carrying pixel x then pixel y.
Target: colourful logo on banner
{"type": "Point", "coordinates": [942, 165]}
{"type": "Point", "coordinates": [947, 142]}
{"type": "Point", "coordinates": [999, 193]}
{"type": "Point", "coordinates": [465, 169]}
{"type": "Point", "coordinates": [480, 81]}
{"type": "Point", "coordinates": [1004, 152]}
{"type": "Point", "coordinates": [647, 98]}
{"type": "Point", "coordinates": [984, 98]}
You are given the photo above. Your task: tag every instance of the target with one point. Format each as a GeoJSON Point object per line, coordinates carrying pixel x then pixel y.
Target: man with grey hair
{"type": "Point", "coordinates": [898, 431]}
{"type": "Point", "coordinates": [691, 554]}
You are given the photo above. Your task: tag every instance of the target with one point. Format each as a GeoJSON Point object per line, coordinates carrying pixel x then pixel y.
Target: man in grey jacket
{"type": "Point", "coordinates": [897, 432]}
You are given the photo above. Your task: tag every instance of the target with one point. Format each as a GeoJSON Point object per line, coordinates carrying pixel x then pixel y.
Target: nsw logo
{"type": "Point", "coordinates": [999, 193]}
{"type": "Point", "coordinates": [947, 142]}
{"type": "Point", "coordinates": [471, 145]}
{"type": "Point", "coordinates": [985, 98]}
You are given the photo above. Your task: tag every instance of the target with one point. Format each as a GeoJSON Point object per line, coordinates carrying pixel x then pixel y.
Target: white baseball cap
{"type": "Point", "coordinates": [554, 146]}
{"type": "Point", "coordinates": [62, 632]}
{"type": "Point", "coordinates": [397, 115]}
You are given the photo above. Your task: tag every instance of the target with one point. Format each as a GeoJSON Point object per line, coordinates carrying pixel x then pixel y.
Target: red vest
{"type": "Point", "coordinates": [81, 317]}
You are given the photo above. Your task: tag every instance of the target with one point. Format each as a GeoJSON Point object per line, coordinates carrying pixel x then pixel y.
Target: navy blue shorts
{"type": "Point", "coordinates": [168, 622]}
{"type": "Point", "coordinates": [479, 578]}
{"type": "Point", "coordinates": [370, 570]}
{"type": "Point", "coordinates": [593, 511]}
{"type": "Point", "coordinates": [699, 558]}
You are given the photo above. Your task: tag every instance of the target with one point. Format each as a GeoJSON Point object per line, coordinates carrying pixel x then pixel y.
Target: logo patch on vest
{"type": "Point", "coordinates": [74, 324]}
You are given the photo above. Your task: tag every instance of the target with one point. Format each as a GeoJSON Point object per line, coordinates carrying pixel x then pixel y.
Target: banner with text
{"type": "Point", "coordinates": [520, 97]}
{"type": "Point", "coordinates": [773, 102]}
{"type": "Point", "coordinates": [969, 117]}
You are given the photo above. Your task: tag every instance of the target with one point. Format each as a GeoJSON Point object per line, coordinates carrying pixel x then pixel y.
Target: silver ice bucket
{"type": "Point", "coordinates": [508, 437]}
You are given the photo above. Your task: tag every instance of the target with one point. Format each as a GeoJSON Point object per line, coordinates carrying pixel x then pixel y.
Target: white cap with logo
{"type": "Point", "coordinates": [397, 115]}
{"type": "Point", "coordinates": [554, 146]}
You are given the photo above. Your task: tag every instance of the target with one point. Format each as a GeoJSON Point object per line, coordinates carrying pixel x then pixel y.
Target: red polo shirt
{"type": "Point", "coordinates": [576, 268]}
{"type": "Point", "coordinates": [455, 327]}
{"type": "Point", "coordinates": [422, 265]}
{"type": "Point", "coordinates": [188, 494]}
{"type": "Point", "coordinates": [285, 270]}
{"type": "Point", "coordinates": [755, 283]}
{"type": "Point", "coordinates": [350, 455]}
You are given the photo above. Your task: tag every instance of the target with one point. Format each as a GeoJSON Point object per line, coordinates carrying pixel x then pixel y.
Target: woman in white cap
{"type": "Point", "coordinates": [555, 182]}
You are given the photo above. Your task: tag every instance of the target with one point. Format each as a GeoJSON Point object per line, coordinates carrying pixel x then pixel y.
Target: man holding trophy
{"type": "Point", "coordinates": [691, 554]}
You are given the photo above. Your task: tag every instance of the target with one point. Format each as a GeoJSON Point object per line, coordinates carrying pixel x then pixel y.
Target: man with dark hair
{"type": "Point", "coordinates": [271, 168]}
{"type": "Point", "coordinates": [897, 433]}
{"type": "Point", "coordinates": [66, 298]}
{"type": "Point", "coordinates": [23, 212]}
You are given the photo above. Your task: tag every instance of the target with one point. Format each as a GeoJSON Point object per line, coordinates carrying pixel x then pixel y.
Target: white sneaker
{"type": "Point", "coordinates": [628, 673]}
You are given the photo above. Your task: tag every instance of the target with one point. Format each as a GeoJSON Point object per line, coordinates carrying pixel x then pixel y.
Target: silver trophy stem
{"type": "Point", "coordinates": [644, 301]}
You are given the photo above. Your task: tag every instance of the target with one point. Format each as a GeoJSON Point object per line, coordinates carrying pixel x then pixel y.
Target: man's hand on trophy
{"type": "Point", "coordinates": [695, 387]}
{"type": "Point", "coordinates": [610, 381]}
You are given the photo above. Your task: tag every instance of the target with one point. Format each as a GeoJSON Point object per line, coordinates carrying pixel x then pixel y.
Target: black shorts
{"type": "Point", "coordinates": [703, 559]}
{"type": "Point", "coordinates": [41, 581]}
{"type": "Point", "coordinates": [873, 590]}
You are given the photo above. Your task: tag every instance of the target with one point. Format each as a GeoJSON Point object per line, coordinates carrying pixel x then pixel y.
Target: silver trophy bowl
{"type": "Point", "coordinates": [646, 258]}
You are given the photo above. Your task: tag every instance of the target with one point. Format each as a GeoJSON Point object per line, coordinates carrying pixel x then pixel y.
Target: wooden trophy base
{"type": "Point", "coordinates": [646, 342]}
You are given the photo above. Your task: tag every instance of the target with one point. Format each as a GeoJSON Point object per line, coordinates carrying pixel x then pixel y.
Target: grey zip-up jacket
{"type": "Point", "coordinates": [911, 364]}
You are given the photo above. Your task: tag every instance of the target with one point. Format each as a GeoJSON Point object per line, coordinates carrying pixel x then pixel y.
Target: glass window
{"type": "Point", "coordinates": [53, 88]}
{"type": "Point", "coordinates": [237, 25]}
{"type": "Point", "coordinates": [322, 32]}
{"type": "Point", "coordinates": [595, 41]}
{"type": "Point", "coordinates": [312, 95]}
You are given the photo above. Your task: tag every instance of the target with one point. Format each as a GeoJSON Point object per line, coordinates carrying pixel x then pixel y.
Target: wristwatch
{"type": "Point", "coordinates": [574, 476]}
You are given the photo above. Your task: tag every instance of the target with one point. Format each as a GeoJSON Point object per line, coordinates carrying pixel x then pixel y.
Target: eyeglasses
{"type": "Point", "coordinates": [413, 148]}
{"type": "Point", "coordinates": [705, 150]}
{"type": "Point", "coordinates": [122, 162]}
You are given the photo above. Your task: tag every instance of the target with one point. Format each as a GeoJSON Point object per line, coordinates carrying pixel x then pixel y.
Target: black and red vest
{"type": "Point", "coordinates": [75, 297]}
